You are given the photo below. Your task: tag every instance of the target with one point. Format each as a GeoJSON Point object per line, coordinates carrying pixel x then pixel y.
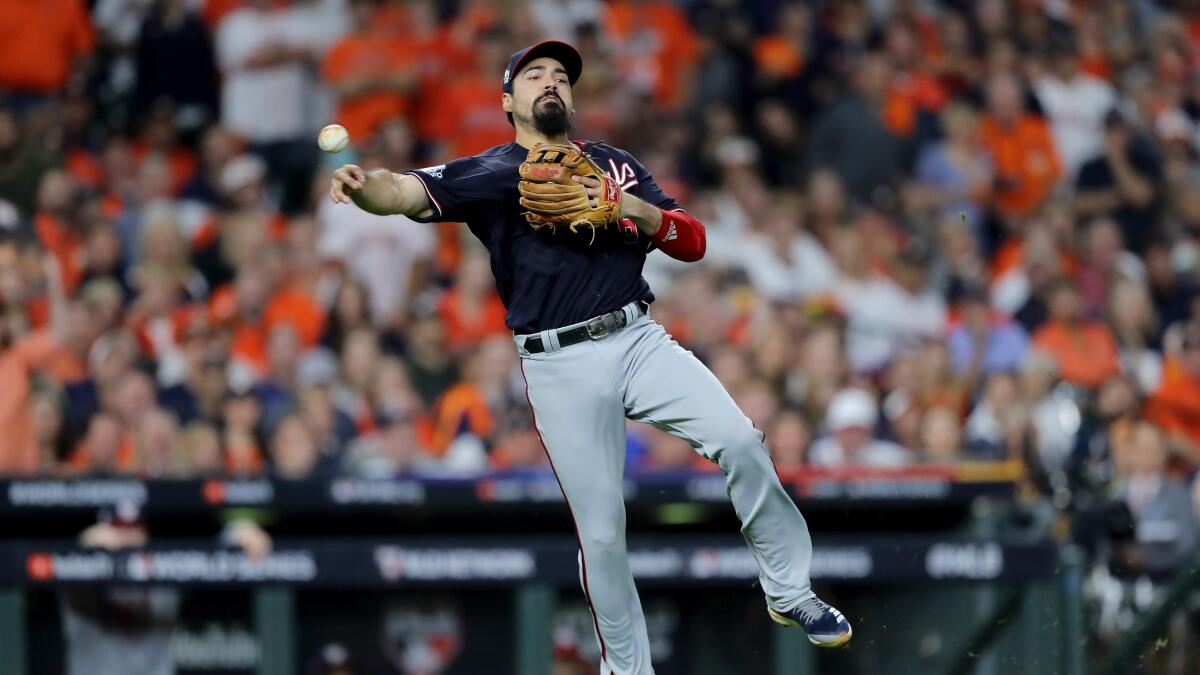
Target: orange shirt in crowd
{"type": "Point", "coordinates": [1026, 162]}
{"type": "Point", "coordinates": [1176, 405]}
{"type": "Point", "coordinates": [40, 41]}
{"type": "Point", "coordinates": [464, 331]}
{"type": "Point", "coordinates": [461, 408]}
{"type": "Point", "coordinates": [909, 93]}
{"type": "Point", "coordinates": [464, 116]}
{"type": "Point", "coordinates": [249, 343]}
{"type": "Point", "coordinates": [65, 243]}
{"type": "Point", "coordinates": [663, 56]}
{"type": "Point", "coordinates": [1086, 352]}
{"type": "Point", "coordinates": [371, 54]}
{"type": "Point", "coordinates": [778, 57]}
{"type": "Point", "coordinates": [19, 452]}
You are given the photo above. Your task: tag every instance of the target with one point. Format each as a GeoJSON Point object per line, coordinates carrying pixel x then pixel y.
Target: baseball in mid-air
{"type": "Point", "coordinates": [333, 138]}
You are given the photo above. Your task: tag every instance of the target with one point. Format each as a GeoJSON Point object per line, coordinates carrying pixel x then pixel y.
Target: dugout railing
{"type": "Point", "coordinates": [1006, 601]}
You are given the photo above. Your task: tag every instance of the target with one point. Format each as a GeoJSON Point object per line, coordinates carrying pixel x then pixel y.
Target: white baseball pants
{"type": "Point", "coordinates": [581, 395]}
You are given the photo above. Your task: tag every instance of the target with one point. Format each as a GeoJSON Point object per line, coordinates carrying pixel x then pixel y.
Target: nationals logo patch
{"type": "Point", "coordinates": [624, 175]}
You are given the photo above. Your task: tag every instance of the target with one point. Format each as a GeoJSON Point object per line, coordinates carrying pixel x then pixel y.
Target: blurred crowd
{"type": "Point", "coordinates": [938, 231]}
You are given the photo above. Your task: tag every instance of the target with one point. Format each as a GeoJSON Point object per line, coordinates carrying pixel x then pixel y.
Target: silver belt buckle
{"type": "Point", "coordinates": [602, 325]}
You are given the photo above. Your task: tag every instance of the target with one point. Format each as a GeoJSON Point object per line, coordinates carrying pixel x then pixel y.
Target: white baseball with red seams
{"type": "Point", "coordinates": [333, 138]}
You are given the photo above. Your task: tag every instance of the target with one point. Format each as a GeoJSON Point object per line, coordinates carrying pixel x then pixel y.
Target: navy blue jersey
{"type": "Point", "coordinates": [546, 279]}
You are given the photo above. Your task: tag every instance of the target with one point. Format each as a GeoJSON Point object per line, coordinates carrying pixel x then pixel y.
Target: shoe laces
{"type": "Point", "coordinates": [812, 610]}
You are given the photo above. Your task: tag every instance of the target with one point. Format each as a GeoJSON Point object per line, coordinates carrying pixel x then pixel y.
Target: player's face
{"type": "Point", "coordinates": [541, 97]}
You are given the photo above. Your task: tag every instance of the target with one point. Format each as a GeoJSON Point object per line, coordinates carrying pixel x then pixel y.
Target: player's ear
{"type": "Point", "coordinates": [506, 102]}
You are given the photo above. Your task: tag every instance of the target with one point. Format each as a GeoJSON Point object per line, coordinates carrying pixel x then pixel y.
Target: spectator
{"type": "Point", "coordinates": [104, 450]}
{"type": "Point", "coordinates": [826, 203]}
{"type": "Point", "coordinates": [23, 163]}
{"type": "Point", "coordinates": [55, 224]}
{"type": "Point", "coordinates": [359, 363]}
{"type": "Point", "coordinates": [462, 118]}
{"type": "Point", "coordinates": [1175, 405]}
{"type": "Point", "coordinates": [241, 418]}
{"type": "Point", "coordinates": [1026, 161]}
{"type": "Point", "coordinates": [466, 417]}
{"type": "Point", "coordinates": [1084, 350]}
{"type": "Point", "coordinates": [941, 435]}
{"type": "Point", "coordinates": [158, 453]}
{"type": "Point", "coordinates": [389, 451]}
{"type": "Point", "coordinates": [785, 262]}
{"type": "Point", "coordinates": [104, 259]}
{"type": "Point", "coordinates": [200, 445]}
{"type": "Point", "coordinates": [954, 176]}
{"type": "Point", "coordinates": [885, 314]}
{"type": "Point", "coordinates": [350, 311]}
{"type": "Point", "coordinates": [330, 428]}
{"type": "Point", "coordinates": [995, 419]}
{"type": "Point", "coordinates": [789, 436]}
{"type": "Point", "coordinates": [217, 147]}
{"type": "Point", "coordinates": [1107, 424]}
{"type": "Point", "coordinates": [293, 452]}
{"type": "Point", "coordinates": [430, 368]}
{"type": "Point", "coordinates": [46, 415]}
{"type": "Point", "coordinates": [253, 305]}
{"type": "Point", "coordinates": [1052, 416]}
{"type": "Point", "coordinates": [43, 46]}
{"type": "Point", "coordinates": [108, 358]}
{"type": "Point", "coordinates": [265, 62]}
{"type": "Point", "coordinates": [984, 342]}
{"type": "Point", "coordinates": [20, 357]}
{"type": "Point", "coordinates": [1075, 102]}
{"type": "Point", "coordinates": [655, 47]}
{"type": "Point", "coordinates": [1104, 263]}
{"type": "Point", "coordinates": [850, 422]}
{"type": "Point", "coordinates": [276, 390]}
{"type": "Point", "coordinates": [851, 138]}
{"type": "Point", "coordinates": [372, 74]}
{"type": "Point", "coordinates": [196, 386]}
{"type": "Point", "coordinates": [471, 309]}
{"type": "Point", "coordinates": [174, 61]}
{"type": "Point", "coordinates": [1135, 329]}
{"type": "Point", "coordinates": [1122, 183]}
{"type": "Point", "coordinates": [822, 370]}
{"type": "Point", "coordinates": [783, 56]}
{"type": "Point", "coordinates": [1163, 530]}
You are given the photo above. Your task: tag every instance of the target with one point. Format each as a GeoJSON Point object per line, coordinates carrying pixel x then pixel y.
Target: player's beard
{"type": "Point", "coordinates": [551, 120]}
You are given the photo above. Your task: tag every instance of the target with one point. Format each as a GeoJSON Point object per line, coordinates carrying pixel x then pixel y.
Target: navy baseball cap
{"type": "Point", "coordinates": [560, 51]}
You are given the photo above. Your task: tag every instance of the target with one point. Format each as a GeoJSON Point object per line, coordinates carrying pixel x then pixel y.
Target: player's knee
{"type": "Point", "coordinates": [738, 439]}
{"type": "Point", "coordinates": [740, 445]}
{"type": "Point", "coordinates": [603, 532]}
{"type": "Point", "coordinates": [603, 539]}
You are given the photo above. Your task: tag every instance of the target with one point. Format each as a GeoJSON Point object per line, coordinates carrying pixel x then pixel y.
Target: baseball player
{"type": "Point", "coordinates": [568, 226]}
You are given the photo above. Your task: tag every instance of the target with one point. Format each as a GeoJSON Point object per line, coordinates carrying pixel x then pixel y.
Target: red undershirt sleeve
{"type": "Point", "coordinates": [681, 236]}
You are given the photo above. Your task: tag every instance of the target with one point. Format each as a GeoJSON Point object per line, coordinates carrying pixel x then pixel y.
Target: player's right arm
{"type": "Point", "coordinates": [381, 192]}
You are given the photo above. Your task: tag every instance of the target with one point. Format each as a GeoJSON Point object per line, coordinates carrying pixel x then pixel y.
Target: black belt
{"type": "Point", "coordinates": [592, 329]}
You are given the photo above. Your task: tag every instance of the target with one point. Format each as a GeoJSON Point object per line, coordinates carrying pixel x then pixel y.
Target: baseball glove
{"type": "Point", "coordinates": [551, 198]}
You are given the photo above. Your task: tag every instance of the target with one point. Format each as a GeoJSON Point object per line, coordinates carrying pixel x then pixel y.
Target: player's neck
{"type": "Point", "coordinates": [527, 138]}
